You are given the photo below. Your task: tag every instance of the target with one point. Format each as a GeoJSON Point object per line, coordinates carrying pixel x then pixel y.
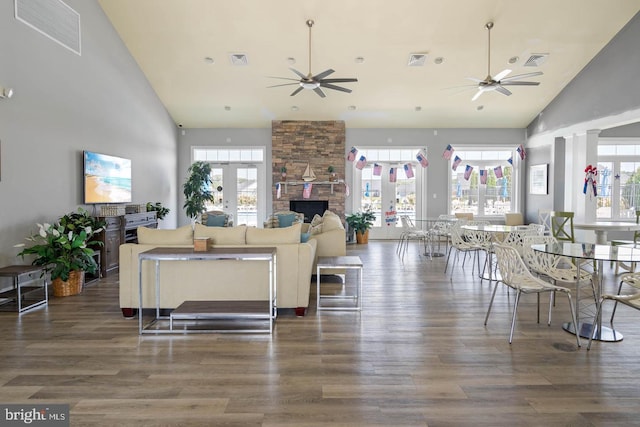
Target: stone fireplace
{"type": "Point", "coordinates": [318, 143]}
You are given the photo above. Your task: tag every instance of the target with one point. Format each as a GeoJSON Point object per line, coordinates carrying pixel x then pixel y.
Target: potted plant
{"type": "Point", "coordinates": [283, 172]}
{"type": "Point", "coordinates": [160, 210]}
{"type": "Point", "coordinates": [332, 173]}
{"type": "Point", "coordinates": [197, 189]}
{"type": "Point", "coordinates": [361, 222]}
{"type": "Point", "coordinates": [63, 250]}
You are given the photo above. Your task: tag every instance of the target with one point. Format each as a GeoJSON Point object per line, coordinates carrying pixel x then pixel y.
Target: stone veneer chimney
{"type": "Point", "coordinates": [319, 143]}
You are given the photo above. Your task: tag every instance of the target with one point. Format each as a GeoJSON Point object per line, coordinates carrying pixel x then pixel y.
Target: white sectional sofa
{"type": "Point", "coordinates": [218, 280]}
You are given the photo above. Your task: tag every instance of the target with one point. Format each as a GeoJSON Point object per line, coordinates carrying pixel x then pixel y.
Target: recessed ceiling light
{"type": "Point", "coordinates": [359, 60]}
{"type": "Point", "coordinates": [480, 107]}
{"type": "Point", "coordinates": [439, 60]}
{"type": "Point", "coordinates": [417, 59]}
{"type": "Point", "coordinates": [418, 108]}
{"type": "Point", "coordinates": [294, 108]}
{"type": "Point", "coordinates": [513, 59]}
{"type": "Point", "coordinates": [208, 60]}
{"type": "Point", "coordinates": [291, 60]}
{"type": "Point", "coordinates": [238, 59]}
{"type": "Point", "coordinates": [227, 108]}
{"type": "Point", "coordinates": [351, 107]}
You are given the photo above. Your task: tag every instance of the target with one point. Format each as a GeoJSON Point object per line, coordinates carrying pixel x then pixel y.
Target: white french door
{"type": "Point", "coordinates": [238, 191]}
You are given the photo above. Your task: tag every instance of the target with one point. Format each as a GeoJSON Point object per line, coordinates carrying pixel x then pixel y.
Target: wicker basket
{"type": "Point", "coordinates": [111, 210]}
{"type": "Point", "coordinates": [73, 286]}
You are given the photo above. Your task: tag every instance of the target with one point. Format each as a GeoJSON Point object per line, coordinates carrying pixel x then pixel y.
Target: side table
{"type": "Point", "coordinates": [25, 294]}
{"type": "Point", "coordinates": [340, 262]}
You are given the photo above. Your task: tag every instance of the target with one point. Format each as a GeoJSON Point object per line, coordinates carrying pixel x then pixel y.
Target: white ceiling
{"type": "Point", "coordinates": [170, 40]}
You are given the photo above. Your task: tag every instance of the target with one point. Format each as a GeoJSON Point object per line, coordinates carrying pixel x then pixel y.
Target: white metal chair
{"type": "Point", "coordinates": [631, 300]}
{"type": "Point", "coordinates": [465, 241]}
{"type": "Point", "coordinates": [515, 275]}
{"type": "Point", "coordinates": [410, 232]}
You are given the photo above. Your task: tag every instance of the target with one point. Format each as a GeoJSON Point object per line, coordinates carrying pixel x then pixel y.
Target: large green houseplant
{"type": "Point", "coordinates": [361, 222]}
{"type": "Point", "coordinates": [63, 250]}
{"type": "Point", "coordinates": [197, 189]}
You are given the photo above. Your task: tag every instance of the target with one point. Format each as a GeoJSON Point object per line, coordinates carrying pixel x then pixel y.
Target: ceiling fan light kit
{"type": "Point", "coordinates": [500, 80]}
{"type": "Point", "coordinates": [318, 81]}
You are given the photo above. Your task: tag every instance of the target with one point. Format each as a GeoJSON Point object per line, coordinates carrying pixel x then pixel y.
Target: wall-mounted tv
{"type": "Point", "coordinates": [107, 179]}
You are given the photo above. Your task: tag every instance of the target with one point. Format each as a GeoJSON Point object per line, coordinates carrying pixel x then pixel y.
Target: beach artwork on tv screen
{"type": "Point", "coordinates": [107, 179]}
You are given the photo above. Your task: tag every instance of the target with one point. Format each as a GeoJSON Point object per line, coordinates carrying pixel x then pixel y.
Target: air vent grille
{"type": "Point", "coordinates": [417, 59]}
{"type": "Point", "coordinates": [536, 59]}
{"type": "Point", "coordinates": [52, 18]}
{"type": "Point", "coordinates": [238, 59]}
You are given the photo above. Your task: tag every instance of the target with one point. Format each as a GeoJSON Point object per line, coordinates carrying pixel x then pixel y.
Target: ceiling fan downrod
{"type": "Point", "coordinates": [489, 26]}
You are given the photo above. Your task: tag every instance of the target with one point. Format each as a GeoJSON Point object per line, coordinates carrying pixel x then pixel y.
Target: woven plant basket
{"type": "Point", "coordinates": [73, 286]}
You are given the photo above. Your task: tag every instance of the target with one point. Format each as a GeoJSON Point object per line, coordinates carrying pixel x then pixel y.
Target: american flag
{"type": "Point", "coordinates": [352, 154]}
{"type": "Point", "coordinates": [278, 190]}
{"type": "Point", "coordinates": [392, 174]}
{"type": "Point", "coordinates": [306, 193]}
{"type": "Point", "coordinates": [361, 162]}
{"type": "Point", "coordinates": [456, 162]}
{"type": "Point", "coordinates": [448, 152]}
{"type": "Point", "coordinates": [498, 171]}
{"type": "Point", "coordinates": [483, 176]}
{"type": "Point", "coordinates": [522, 152]}
{"type": "Point", "coordinates": [377, 169]}
{"type": "Point", "coordinates": [467, 172]}
{"type": "Point", "coordinates": [510, 160]}
{"type": "Point", "coordinates": [408, 170]}
{"type": "Point", "coordinates": [422, 158]}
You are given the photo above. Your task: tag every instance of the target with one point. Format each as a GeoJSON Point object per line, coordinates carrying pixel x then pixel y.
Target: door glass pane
{"type": "Point", "coordinates": [247, 202]}
{"type": "Point", "coordinates": [370, 194]}
{"type": "Point", "coordinates": [603, 200]}
{"type": "Point", "coordinates": [629, 188]}
{"type": "Point", "coordinates": [217, 187]}
{"type": "Point", "coordinates": [405, 197]}
{"type": "Point", "coordinates": [464, 198]}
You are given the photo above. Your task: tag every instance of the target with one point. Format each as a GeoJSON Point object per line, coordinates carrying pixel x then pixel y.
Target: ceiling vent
{"type": "Point", "coordinates": [536, 59]}
{"type": "Point", "coordinates": [417, 59]}
{"type": "Point", "coordinates": [52, 18]}
{"type": "Point", "coordinates": [238, 59]}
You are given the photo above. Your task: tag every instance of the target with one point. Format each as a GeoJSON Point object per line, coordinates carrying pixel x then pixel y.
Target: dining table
{"type": "Point", "coordinates": [601, 228]}
{"type": "Point", "coordinates": [584, 254]}
{"type": "Point", "coordinates": [436, 227]}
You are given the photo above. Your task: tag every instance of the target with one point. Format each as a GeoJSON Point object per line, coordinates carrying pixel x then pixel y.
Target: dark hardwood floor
{"type": "Point", "coordinates": [418, 354]}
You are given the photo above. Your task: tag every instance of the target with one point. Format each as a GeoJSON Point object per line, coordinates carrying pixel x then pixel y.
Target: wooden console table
{"type": "Point", "coordinates": [210, 310]}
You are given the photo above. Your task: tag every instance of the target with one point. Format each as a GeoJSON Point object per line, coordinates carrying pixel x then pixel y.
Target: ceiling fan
{"type": "Point", "coordinates": [317, 82]}
{"type": "Point", "coordinates": [500, 80]}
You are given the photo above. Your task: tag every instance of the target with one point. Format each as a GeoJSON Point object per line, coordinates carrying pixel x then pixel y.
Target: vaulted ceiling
{"type": "Point", "coordinates": [190, 51]}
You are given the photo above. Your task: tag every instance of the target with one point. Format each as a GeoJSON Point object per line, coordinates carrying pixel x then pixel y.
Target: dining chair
{"type": "Point", "coordinates": [515, 274]}
{"type": "Point", "coordinates": [464, 215]}
{"type": "Point", "coordinates": [461, 243]}
{"type": "Point", "coordinates": [631, 300]}
{"type": "Point", "coordinates": [636, 239]}
{"type": "Point", "coordinates": [562, 226]}
{"type": "Point", "coordinates": [513, 218]}
{"type": "Point", "coordinates": [410, 232]}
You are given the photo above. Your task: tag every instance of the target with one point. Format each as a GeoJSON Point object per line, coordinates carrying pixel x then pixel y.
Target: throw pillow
{"type": "Point", "coordinates": [317, 219]}
{"type": "Point", "coordinates": [222, 235]}
{"type": "Point", "coordinates": [152, 236]}
{"type": "Point", "coordinates": [315, 229]}
{"type": "Point", "coordinates": [331, 222]}
{"type": "Point", "coordinates": [216, 220]}
{"type": "Point", "coordinates": [304, 237]}
{"type": "Point", "coordinates": [286, 220]}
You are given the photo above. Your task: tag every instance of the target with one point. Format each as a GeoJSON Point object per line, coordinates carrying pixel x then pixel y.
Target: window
{"type": "Point", "coordinates": [618, 180]}
{"type": "Point", "coordinates": [493, 198]}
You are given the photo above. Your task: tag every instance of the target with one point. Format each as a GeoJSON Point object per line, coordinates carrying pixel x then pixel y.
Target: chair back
{"type": "Point", "coordinates": [544, 219]}
{"type": "Point", "coordinates": [562, 226]}
{"type": "Point", "coordinates": [227, 220]}
{"type": "Point", "coordinates": [464, 215]}
{"type": "Point", "coordinates": [514, 218]}
{"type": "Point", "coordinates": [511, 266]}
{"type": "Point", "coordinates": [515, 238]}
{"type": "Point", "coordinates": [539, 262]}
{"type": "Point", "coordinates": [636, 234]}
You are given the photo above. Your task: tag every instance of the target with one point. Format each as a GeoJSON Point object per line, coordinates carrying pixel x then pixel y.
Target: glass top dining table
{"type": "Point", "coordinates": [587, 253]}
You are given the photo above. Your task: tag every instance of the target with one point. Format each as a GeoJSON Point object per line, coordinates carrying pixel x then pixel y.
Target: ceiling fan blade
{"type": "Point", "coordinates": [502, 74]}
{"type": "Point", "coordinates": [520, 76]}
{"type": "Point", "coordinates": [285, 84]}
{"type": "Point", "coordinates": [473, 79]}
{"type": "Point", "coordinates": [295, 92]}
{"type": "Point", "coordinates": [334, 87]}
{"type": "Point", "coordinates": [477, 95]}
{"type": "Point", "coordinates": [503, 90]}
{"type": "Point", "coordinates": [319, 92]}
{"type": "Point", "coordinates": [323, 74]}
{"type": "Point", "coordinates": [302, 76]}
{"type": "Point", "coordinates": [284, 78]}
{"type": "Point", "coordinates": [509, 83]}
{"type": "Point", "coordinates": [347, 80]}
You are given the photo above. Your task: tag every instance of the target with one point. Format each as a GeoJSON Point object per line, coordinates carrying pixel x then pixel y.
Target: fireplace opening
{"type": "Point", "coordinates": [309, 207]}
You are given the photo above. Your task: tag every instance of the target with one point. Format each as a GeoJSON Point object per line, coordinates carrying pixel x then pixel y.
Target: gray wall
{"type": "Point", "coordinates": [65, 103]}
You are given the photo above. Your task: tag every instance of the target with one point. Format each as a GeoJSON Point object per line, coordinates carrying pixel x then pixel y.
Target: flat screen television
{"type": "Point", "coordinates": [107, 179]}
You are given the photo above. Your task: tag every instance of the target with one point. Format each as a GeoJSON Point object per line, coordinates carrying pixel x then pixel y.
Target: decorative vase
{"type": "Point", "coordinates": [333, 177]}
{"type": "Point", "coordinates": [73, 286]}
{"type": "Point", "coordinates": [362, 238]}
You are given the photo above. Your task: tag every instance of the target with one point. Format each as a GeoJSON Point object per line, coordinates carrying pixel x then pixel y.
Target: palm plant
{"type": "Point", "coordinates": [197, 189]}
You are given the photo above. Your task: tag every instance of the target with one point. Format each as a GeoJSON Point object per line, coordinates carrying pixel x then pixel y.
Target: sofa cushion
{"type": "Point", "coordinates": [286, 220]}
{"type": "Point", "coordinates": [273, 236]}
{"type": "Point", "coordinates": [153, 236]}
{"type": "Point", "coordinates": [222, 235]}
{"type": "Point", "coordinates": [304, 237]}
{"type": "Point", "coordinates": [331, 221]}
